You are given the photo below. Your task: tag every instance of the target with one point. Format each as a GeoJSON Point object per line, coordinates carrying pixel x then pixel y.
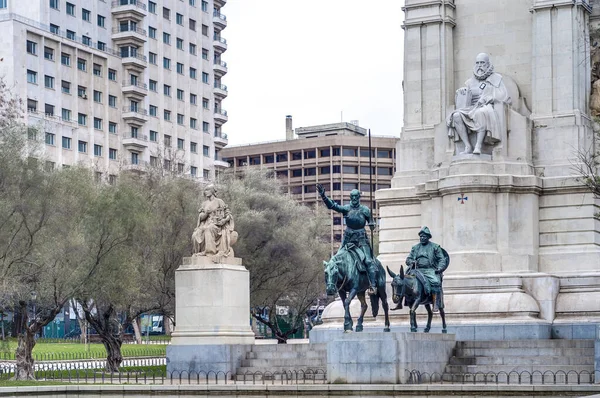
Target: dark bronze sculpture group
{"type": "Point", "coordinates": [353, 271]}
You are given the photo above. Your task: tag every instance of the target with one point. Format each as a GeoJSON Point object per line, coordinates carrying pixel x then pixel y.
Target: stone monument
{"type": "Point", "coordinates": [212, 295]}
{"type": "Point", "coordinates": [489, 164]}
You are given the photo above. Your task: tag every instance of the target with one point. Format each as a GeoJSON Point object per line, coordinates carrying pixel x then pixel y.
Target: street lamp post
{"type": "Point", "coordinates": [33, 298]}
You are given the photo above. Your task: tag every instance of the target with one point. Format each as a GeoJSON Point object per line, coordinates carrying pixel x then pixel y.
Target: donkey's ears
{"type": "Point", "coordinates": [390, 272]}
{"type": "Point", "coordinates": [401, 272]}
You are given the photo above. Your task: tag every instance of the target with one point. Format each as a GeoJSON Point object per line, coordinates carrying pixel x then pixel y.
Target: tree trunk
{"type": "Point", "coordinates": [136, 330]}
{"type": "Point", "coordinates": [113, 352]}
{"type": "Point", "coordinates": [23, 356]}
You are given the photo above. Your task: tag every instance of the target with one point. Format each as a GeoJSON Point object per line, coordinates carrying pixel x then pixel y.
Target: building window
{"type": "Point", "coordinates": [180, 68]}
{"type": "Point", "coordinates": [152, 57]}
{"type": "Point", "coordinates": [179, 119]}
{"type": "Point", "coordinates": [49, 109]}
{"type": "Point", "coordinates": [71, 9]}
{"type": "Point", "coordinates": [206, 151]}
{"type": "Point", "coordinates": [325, 170]}
{"type": "Point", "coordinates": [31, 47]}
{"type": "Point", "coordinates": [296, 155]}
{"type": "Point", "coordinates": [193, 123]}
{"type": "Point", "coordinates": [193, 49]}
{"type": "Point", "coordinates": [50, 139]}
{"type": "Point", "coordinates": [166, 38]}
{"type": "Point", "coordinates": [97, 150]}
{"type": "Point", "coordinates": [179, 19]}
{"type": "Point", "coordinates": [82, 146]}
{"type": "Point", "coordinates": [153, 161]}
{"type": "Point", "coordinates": [192, 24]}
{"type": "Point", "coordinates": [193, 73]}
{"type": "Point", "coordinates": [310, 154]}
{"type": "Point", "coordinates": [65, 59]}
{"type": "Point", "coordinates": [31, 77]}
{"type": "Point", "coordinates": [71, 35]}
{"type": "Point", "coordinates": [82, 119]}
{"type": "Point", "coordinates": [180, 94]}
{"type": "Point", "coordinates": [112, 127]}
{"type": "Point", "coordinates": [101, 20]}
{"type": "Point", "coordinates": [324, 153]}
{"type": "Point", "coordinates": [49, 53]}
{"type": "Point", "coordinates": [336, 169]}
{"type": "Point", "coordinates": [167, 115]}
{"type": "Point", "coordinates": [66, 143]}
{"type": "Point", "coordinates": [152, 85]}
{"type": "Point", "coordinates": [66, 115]}
{"type": "Point", "coordinates": [349, 152]}
{"type": "Point", "coordinates": [193, 147]}
{"type": "Point", "coordinates": [151, 32]}
{"type": "Point", "coordinates": [86, 40]}
{"type": "Point", "coordinates": [97, 70]}
{"type": "Point", "coordinates": [65, 87]}
{"type": "Point", "coordinates": [193, 171]}
{"type": "Point", "coordinates": [85, 15]}
{"type": "Point", "coordinates": [101, 46]}
{"type": "Point", "coordinates": [193, 3]}
{"type": "Point", "coordinates": [384, 153]}
{"type": "Point", "coordinates": [134, 158]}
{"type": "Point", "coordinates": [153, 136]}
{"type": "Point", "coordinates": [336, 151]}
{"type": "Point", "coordinates": [167, 90]}
{"type": "Point", "coordinates": [153, 110]}
{"type": "Point", "coordinates": [81, 92]}
{"type": "Point", "coordinates": [112, 153]}
{"type": "Point", "coordinates": [205, 53]}
{"type": "Point", "coordinates": [349, 186]}
{"type": "Point", "coordinates": [112, 75]}
{"type": "Point", "coordinates": [204, 5]}
{"type": "Point", "coordinates": [205, 103]}
{"type": "Point", "coordinates": [48, 81]}
{"type": "Point", "coordinates": [166, 63]}
{"type": "Point", "coordinates": [31, 105]}
{"type": "Point", "coordinates": [152, 7]}
{"type": "Point", "coordinates": [365, 169]}
{"type": "Point", "coordinates": [81, 64]}
{"type": "Point", "coordinates": [205, 127]}
{"type": "Point", "coordinates": [204, 77]}
{"type": "Point", "coordinates": [166, 13]}
{"type": "Point", "coordinates": [54, 4]}
{"type": "Point", "coordinates": [281, 157]}
{"type": "Point", "coordinates": [206, 173]}
{"type": "Point", "coordinates": [167, 141]}
{"type": "Point", "coordinates": [193, 99]}
{"type": "Point", "coordinates": [310, 171]}
{"type": "Point", "coordinates": [384, 171]}
{"type": "Point", "coordinates": [112, 101]}
{"type": "Point", "coordinates": [350, 170]}
{"type": "Point", "coordinates": [133, 133]}
{"type": "Point", "coordinates": [179, 44]}
{"type": "Point", "coordinates": [180, 143]}
{"type": "Point", "coordinates": [97, 123]}
{"type": "Point", "coordinates": [297, 173]}
{"type": "Point", "coordinates": [97, 96]}
{"type": "Point", "coordinates": [204, 30]}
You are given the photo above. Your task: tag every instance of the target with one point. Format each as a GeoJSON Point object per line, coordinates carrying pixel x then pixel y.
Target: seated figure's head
{"type": "Point", "coordinates": [210, 190]}
{"type": "Point", "coordinates": [355, 197]}
{"type": "Point", "coordinates": [483, 67]}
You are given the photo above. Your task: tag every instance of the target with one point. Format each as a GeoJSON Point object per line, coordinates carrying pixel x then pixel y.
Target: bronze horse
{"type": "Point", "coordinates": [411, 289]}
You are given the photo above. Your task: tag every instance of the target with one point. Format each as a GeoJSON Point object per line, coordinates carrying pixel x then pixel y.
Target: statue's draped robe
{"type": "Point", "coordinates": [210, 238]}
{"type": "Point", "coordinates": [429, 258]}
{"type": "Point", "coordinates": [491, 117]}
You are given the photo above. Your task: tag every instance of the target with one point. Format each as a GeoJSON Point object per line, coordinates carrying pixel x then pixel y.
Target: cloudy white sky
{"type": "Point", "coordinates": [317, 60]}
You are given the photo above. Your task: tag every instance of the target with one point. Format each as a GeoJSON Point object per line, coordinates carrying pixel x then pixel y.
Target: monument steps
{"type": "Point", "coordinates": [272, 358]}
{"type": "Point", "coordinates": [522, 356]}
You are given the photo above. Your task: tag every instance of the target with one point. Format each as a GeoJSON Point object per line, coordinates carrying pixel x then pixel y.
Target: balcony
{"type": "Point", "coordinates": [134, 9]}
{"type": "Point", "coordinates": [221, 116]}
{"type": "Point", "coordinates": [220, 165]}
{"type": "Point", "coordinates": [220, 140]}
{"type": "Point", "coordinates": [135, 116]}
{"type": "Point", "coordinates": [140, 167]}
{"type": "Point", "coordinates": [220, 90]}
{"type": "Point", "coordinates": [138, 90]}
{"type": "Point", "coordinates": [220, 3]}
{"type": "Point", "coordinates": [219, 20]}
{"type": "Point", "coordinates": [219, 43]}
{"type": "Point", "coordinates": [220, 68]}
{"type": "Point", "coordinates": [133, 60]}
{"type": "Point", "coordinates": [129, 34]}
{"type": "Point", "coordinates": [135, 141]}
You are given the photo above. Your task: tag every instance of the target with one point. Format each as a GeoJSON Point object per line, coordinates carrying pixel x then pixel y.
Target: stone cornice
{"type": "Point", "coordinates": [548, 4]}
{"type": "Point", "coordinates": [434, 14]}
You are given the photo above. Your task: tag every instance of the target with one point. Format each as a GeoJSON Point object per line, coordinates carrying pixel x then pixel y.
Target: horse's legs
{"type": "Point", "coordinates": [443, 316]}
{"type": "Point", "coordinates": [386, 308]}
{"type": "Point", "coordinates": [429, 316]}
{"type": "Point", "coordinates": [347, 317]}
{"type": "Point", "coordinates": [363, 309]}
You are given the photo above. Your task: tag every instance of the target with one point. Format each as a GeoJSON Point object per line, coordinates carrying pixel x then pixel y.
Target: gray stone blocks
{"type": "Point", "coordinates": [386, 358]}
{"type": "Point", "coordinates": [206, 358]}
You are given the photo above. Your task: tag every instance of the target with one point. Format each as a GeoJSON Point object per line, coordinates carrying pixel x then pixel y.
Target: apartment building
{"type": "Point", "coordinates": [117, 84]}
{"type": "Point", "coordinates": [334, 155]}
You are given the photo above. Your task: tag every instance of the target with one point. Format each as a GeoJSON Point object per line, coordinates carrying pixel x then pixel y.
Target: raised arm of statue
{"type": "Point", "coordinates": [331, 205]}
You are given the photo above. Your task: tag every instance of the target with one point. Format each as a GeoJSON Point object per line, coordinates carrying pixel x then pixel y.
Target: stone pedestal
{"type": "Point", "coordinates": [386, 358]}
{"type": "Point", "coordinates": [212, 316]}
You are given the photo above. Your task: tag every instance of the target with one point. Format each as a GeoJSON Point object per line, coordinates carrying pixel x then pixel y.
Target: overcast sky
{"type": "Point", "coordinates": [317, 60]}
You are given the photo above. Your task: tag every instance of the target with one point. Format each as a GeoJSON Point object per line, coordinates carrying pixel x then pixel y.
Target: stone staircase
{"type": "Point", "coordinates": [270, 361]}
{"type": "Point", "coordinates": [529, 358]}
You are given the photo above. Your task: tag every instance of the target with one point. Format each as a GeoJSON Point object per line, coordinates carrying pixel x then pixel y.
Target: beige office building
{"type": "Point", "coordinates": [116, 84]}
{"type": "Point", "coordinates": [334, 155]}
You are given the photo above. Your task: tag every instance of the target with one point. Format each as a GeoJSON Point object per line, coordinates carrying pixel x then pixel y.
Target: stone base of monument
{"type": "Point", "coordinates": [382, 358]}
{"type": "Point", "coordinates": [212, 314]}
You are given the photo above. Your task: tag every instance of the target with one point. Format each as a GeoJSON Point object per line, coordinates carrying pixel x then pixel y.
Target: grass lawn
{"type": "Point", "coordinates": [130, 374]}
{"type": "Point", "coordinates": [55, 351]}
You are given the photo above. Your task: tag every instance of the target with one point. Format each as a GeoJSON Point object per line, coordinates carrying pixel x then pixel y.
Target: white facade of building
{"type": "Point", "coordinates": [115, 84]}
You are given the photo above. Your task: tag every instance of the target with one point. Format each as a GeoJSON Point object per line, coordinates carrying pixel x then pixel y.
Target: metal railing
{"type": "Point", "coordinates": [220, 86]}
{"type": "Point", "coordinates": [131, 54]}
{"type": "Point", "coordinates": [221, 112]}
{"type": "Point", "coordinates": [220, 39]}
{"type": "Point", "coordinates": [128, 83]}
{"type": "Point", "coordinates": [221, 63]}
{"type": "Point", "coordinates": [61, 33]}
{"type": "Point", "coordinates": [140, 111]}
{"type": "Point", "coordinates": [120, 3]}
{"type": "Point", "coordinates": [92, 354]}
{"type": "Point", "coordinates": [129, 29]}
{"type": "Point", "coordinates": [513, 377]}
{"type": "Point", "coordinates": [220, 16]}
{"type": "Point", "coordinates": [140, 137]}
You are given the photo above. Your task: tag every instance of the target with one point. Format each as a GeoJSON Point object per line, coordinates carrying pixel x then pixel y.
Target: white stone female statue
{"type": "Point", "coordinates": [214, 234]}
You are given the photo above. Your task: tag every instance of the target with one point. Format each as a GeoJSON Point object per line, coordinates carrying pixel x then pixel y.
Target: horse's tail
{"type": "Point", "coordinates": [375, 304]}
